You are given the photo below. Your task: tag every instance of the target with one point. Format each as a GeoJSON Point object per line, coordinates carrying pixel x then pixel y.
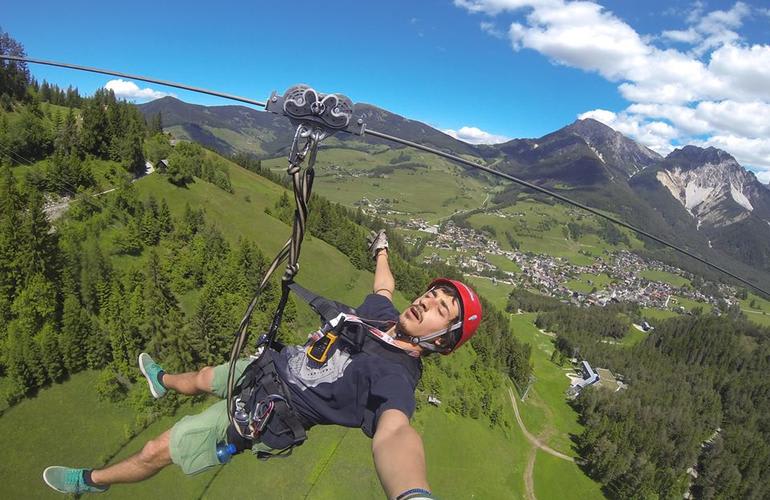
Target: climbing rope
{"type": "Point", "coordinates": [304, 146]}
{"type": "Point", "coordinates": [316, 116]}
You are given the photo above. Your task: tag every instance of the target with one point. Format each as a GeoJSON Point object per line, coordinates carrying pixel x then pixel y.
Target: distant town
{"type": "Point", "coordinates": [470, 249]}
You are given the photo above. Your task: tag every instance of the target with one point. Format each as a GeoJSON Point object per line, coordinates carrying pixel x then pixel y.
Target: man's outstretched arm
{"type": "Point", "coordinates": [384, 283]}
{"type": "Point", "coordinates": [398, 454]}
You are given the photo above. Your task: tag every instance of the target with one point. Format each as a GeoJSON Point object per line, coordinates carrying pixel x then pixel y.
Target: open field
{"type": "Point", "coordinates": [545, 411]}
{"type": "Point", "coordinates": [756, 309]}
{"type": "Point", "coordinates": [477, 462]}
{"type": "Point", "coordinates": [633, 337]}
{"type": "Point", "coordinates": [665, 277]}
{"type": "Point", "coordinates": [587, 282]}
{"type": "Point", "coordinates": [689, 304]}
{"type": "Point", "coordinates": [555, 478]}
{"type": "Point", "coordinates": [649, 313]}
{"type": "Point", "coordinates": [497, 293]}
{"type": "Point", "coordinates": [417, 183]}
{"type": "Point", "coordinates": [503, 263]}
{"type": "Point", "coordinates": [65, 424]}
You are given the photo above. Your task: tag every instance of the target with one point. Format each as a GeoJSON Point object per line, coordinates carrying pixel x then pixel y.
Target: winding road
{"type": "Point", "coordinates": [529, 482]}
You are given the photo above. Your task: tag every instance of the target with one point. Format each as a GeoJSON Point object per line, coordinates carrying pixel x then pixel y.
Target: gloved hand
{"type": "Point", "coordinates": [377, 241]}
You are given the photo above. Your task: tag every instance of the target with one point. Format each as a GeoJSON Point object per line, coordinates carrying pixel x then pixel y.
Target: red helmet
{"type": "Point", "coordinates": [470, 310]}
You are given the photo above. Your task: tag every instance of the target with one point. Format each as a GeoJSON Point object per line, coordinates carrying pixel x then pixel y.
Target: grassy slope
{"type": "Point", "coordinates": [545, 411]}
{"type": "Point", "coordinates": [665, 277]}
{"type": "Point", "coordinates": [760, 313]}
{"type": "Point", "coordinates": [555, 478]}
{"type": "Point", "coordinates": [65, 424]}
{"type": "Point", "coordinates": [433, 191]}
{"type": "Point", "coordinates": [236, 217]}
{"type": "Point", "coordinates": [340, 449]}
{"type": "Point", "coordinates": [465, 458]}
{"type": "Point", "coordinates": [581, 283]}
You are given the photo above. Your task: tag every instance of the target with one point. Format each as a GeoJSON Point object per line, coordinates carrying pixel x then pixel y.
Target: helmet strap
{"type": "Point", "coordinates": [424, 343]}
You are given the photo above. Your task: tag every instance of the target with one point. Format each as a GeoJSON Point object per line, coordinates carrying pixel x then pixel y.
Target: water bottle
{"type": "Point", "coordinates": [225, 452]}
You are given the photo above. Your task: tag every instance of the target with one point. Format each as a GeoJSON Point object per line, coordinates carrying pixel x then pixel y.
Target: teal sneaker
{"type": "Point", "coordinates": [67, 480]}
{"type": "Point", "coordinates": [150, 370]}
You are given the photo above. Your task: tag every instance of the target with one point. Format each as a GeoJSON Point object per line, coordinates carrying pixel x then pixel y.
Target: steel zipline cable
{"type": "Point", "coordinates": [135, 77]}
{"type": "Point", "coordinates": [559, 197]}
{"type": "Point", "coordinates": [427, 149]}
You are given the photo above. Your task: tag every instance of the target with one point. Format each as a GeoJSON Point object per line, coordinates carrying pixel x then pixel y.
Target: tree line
{"type": "Point", "coordinates": [697, 397]}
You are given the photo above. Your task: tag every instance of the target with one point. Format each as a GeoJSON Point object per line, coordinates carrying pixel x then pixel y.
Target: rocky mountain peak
{"type": "Point", "coordinates": [712, 185]}
{"type": "Point", "coordinates": [694, 157]}
{"type": "Point", "coordinates": [612, 147]}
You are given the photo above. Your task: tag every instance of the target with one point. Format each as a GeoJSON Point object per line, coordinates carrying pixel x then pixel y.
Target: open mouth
{"type": "Point", "coordinates": [415, 312]}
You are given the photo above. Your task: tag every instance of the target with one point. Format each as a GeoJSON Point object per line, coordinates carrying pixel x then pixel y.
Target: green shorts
{"type": "Point", "coordinates": [194, 439]}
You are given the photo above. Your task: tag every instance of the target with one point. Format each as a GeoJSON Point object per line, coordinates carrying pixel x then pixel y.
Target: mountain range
{"type": "Point", "coordinates": [700, 198]}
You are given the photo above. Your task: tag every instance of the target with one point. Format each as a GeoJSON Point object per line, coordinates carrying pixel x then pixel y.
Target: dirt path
{"type": "Point", "coordinates": [529, 475]}
{"type": "Point", "coordinates": [531, 438]}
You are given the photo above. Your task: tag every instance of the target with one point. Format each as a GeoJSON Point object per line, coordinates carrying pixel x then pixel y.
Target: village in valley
{"type": "Point", "coordinates": [470, 250]}
{"type": "Point", "coordinates": [612, 277]}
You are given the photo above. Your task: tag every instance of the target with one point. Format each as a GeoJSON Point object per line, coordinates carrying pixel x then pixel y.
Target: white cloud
{"type": "Point", "coordinates": [129, 90]}
{"type": "Point", "coordinates": [491, 29]}
{"type": "Point", "coordinates": [714, 89]}
{"type": "Point", "coordinates": [685, 36]}
{"type": "Point", "coordinates": [763, 176]}
{"type": "Point", "coordinates": [656, 135]}
{"type": "Point", "coordinates": [474, 135]}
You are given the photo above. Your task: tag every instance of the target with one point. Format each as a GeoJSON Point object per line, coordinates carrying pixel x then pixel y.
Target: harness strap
{"type": "Point", "coordinates": [338, 322]}
{"type": "Point", "coordinates": [260, 384]}
{"type": "Point", "coordinates": [327, 309]}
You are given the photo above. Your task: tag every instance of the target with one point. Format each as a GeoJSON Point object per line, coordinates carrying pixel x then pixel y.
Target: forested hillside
{"type": "Point", "coordinates": [697, 398]}
{"type": "Point", "coordinates": [123, 272]}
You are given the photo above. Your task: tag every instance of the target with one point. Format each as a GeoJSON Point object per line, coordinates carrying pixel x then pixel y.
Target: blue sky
{"type": "Point", "coordinates": [509, 68]}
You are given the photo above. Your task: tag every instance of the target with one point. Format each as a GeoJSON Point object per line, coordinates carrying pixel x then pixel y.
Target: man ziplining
{"type": "Point", "coordinates": [358, 370]}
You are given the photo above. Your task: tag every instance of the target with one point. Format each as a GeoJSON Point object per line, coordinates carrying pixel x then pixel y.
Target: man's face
{"type": "Point", "coordinates": [429, 313]}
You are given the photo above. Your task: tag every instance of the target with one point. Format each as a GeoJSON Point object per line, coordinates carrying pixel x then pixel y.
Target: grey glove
{"type": "Point", "coordinates": [377, 241]}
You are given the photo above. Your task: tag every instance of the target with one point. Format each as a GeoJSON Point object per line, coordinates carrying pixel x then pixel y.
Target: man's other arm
{"type": "Point", "coordinates": [399, 456]}
{"type": "Point", "coordinates": [384, 283]}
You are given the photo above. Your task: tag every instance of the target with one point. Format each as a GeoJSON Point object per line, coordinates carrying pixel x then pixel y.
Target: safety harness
{"type": "Point", "coordinates": [262, 406]}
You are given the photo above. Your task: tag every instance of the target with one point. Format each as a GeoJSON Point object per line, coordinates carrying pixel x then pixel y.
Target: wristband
{"type": "Point", "coordinates": [415, 494]}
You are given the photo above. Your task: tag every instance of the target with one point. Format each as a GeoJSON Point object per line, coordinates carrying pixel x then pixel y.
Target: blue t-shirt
{"type": "Point", "coordinates": [351, 389]}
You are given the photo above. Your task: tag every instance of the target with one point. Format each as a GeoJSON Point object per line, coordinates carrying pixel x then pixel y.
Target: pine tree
{"type": "Point", "coordinates": [156, 125]}
{"type": "Point", "coordinates": [209, 328]}
{"type": "Point", "coordinates": [95, 135]}
{"type": "Point", "coordinates": [164, 218]}
{"type": "Point", "coordinates": [51, 356]}
{"type": "Point", "coordinates": [10, 272]}
{"type": "Point", "coordinates": [97, 343]}
{"type": "Point", "coordinates": [38, 248]}
{"type": "Point", "coordinates": [67, 141]}
{"type": "Point", "coordinates": [23, 362]}
{"type": "Point", "coordinates": [74, 334]}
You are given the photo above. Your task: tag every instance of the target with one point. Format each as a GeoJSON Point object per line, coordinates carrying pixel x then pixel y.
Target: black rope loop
{"type": "Point", "coordinates": [302, 184]}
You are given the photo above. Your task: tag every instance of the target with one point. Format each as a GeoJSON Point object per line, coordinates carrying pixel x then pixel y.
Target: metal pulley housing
{"type": "Point", "coordinates": [328, 112]}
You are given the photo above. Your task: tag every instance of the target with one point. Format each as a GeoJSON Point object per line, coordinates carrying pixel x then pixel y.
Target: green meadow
{"type": "Point", "coordinates": [466, 459]}
{"type": "Point", "coordinates": [756, 309]}
{"type": "Point", "coordinates": [417, 184]}
{"type": "Point", "coordinates": [665, 277]}
{"type": "Point", "coordinates": [586, 282]}
{"type": "Point", "coordinates": [545, 411]}
{"type": "Point", "coordinates": [633, 337]}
